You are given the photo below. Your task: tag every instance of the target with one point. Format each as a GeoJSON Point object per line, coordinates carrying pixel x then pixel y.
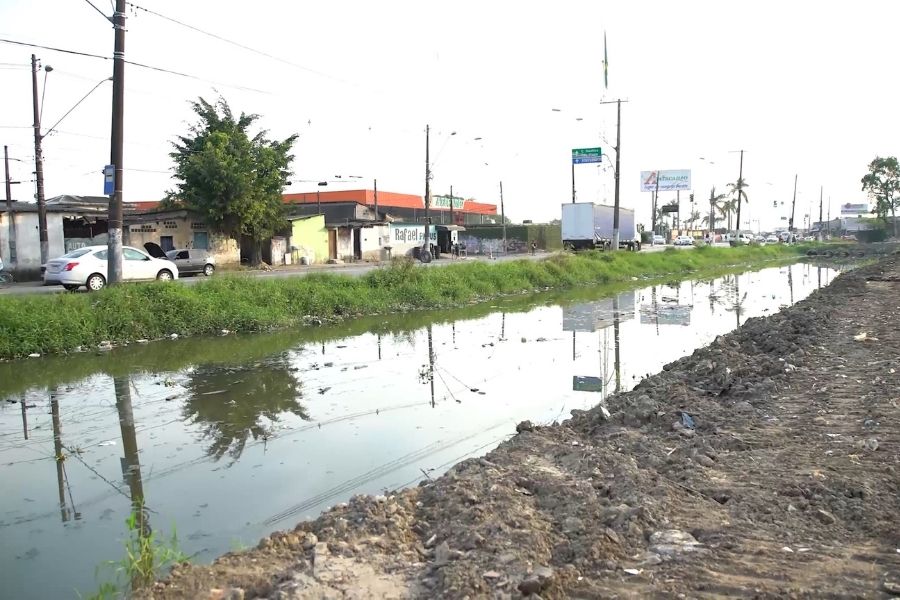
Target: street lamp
{"type": "Point", "coordinates": [318, 201]}
{"type": "Point", "coordinates": [38, 110]}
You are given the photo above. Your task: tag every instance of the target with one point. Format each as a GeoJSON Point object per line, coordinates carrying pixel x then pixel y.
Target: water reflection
{"type": "Point", "coordinates": [232, 404]}
{"type": "Point", "coordinates": [131, 462]}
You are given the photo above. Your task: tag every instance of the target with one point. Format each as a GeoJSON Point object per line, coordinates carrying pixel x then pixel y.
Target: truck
{"type": "Point", "coordinates": [589, 226]}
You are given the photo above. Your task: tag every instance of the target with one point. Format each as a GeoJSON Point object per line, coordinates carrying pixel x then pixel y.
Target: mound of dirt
{"type": "Point", "coordinates": [764, 465]}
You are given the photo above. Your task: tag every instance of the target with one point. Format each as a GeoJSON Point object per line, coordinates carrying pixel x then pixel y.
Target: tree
{"type": "Point", "coordinates": [715, 203]}
{"type": "Point", "coordinates": [232, 180]}
{"type": "Point", "coordinates": [882, 182]}
{"type": "Point", "coordinates": [737, 190]}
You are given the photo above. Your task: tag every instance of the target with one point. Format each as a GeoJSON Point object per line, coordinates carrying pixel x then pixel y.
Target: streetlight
{"type": "Point", "coordinates": [318, 201]}
{"type": "Point", "coordinates": [38, 109]}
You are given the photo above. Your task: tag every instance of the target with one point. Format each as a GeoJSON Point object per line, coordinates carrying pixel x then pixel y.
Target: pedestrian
{"type": "Point", "coordinates": [533, 248]}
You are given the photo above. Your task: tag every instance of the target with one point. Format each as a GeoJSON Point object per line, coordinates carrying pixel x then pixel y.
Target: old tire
{"type": "Point", "coordinates": [164, 275]}
{"type": "Point", "coordinates": [425, 257]}
{"type": "Point", "coordinates": [208, 270]}
{"type": "Point", "coordinates": [95, 282]}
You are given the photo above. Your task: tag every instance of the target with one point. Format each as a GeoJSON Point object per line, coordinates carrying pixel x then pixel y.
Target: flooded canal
{"type": "Point", "coordinates": [233, 437]}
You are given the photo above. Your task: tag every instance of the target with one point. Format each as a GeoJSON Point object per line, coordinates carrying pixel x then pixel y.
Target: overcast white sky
{"type": "Point", "coordinates": [803, 87]}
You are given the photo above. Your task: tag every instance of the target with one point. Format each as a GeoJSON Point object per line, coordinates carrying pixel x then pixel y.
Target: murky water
{"type": "Point", "coordinates": [231, 438]}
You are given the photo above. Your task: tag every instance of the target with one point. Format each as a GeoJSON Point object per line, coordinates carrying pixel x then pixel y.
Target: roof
{"type": "Point", "coordinates": [387, 200]}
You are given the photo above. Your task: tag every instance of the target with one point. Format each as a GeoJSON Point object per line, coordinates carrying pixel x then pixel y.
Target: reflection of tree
{"type": "Point", "coordinates": [231, 403]}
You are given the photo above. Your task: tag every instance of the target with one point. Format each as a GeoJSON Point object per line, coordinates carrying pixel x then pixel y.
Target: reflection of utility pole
{"type": "Point", "coordinates": [791, 282]}
{"type": "Point", "coordinates": [655, 307]}
{"type": "Point", "coordinates": [819, 274]}
{"type": "Point", "coordinates": [617, 365]}
{"type": "Point", "coordinates": [58, 456]}
{"type": "Point", "coordinates": [431, 365]}
{"type": "Point", "coordinates": [453, 329]}
{"type": "Point", "coordinates": [131, 463]}
{"type": "Point", "coordinates": [573, 345]}
{"type": "Point", "coordinates": [379, 346]}
{"type": "Point", "coordinates": [502, 326]}
{"type": "Point", "coordinates": [737, 298]}
{"type": "Point", "coordinates": [24, 417]}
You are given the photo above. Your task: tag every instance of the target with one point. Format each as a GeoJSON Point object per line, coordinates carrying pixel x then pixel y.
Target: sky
{"type": "Point", "coordinates": [802, 87]}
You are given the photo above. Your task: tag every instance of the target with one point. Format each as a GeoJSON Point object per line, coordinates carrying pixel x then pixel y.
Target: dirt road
{"type": "Point", "coordinates": [766, 465]}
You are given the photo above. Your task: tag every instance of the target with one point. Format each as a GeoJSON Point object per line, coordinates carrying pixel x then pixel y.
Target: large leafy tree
{"type": "Point", "coordinates": [230, 177]}
{"type": "Point", "coordinates": [882, 182]}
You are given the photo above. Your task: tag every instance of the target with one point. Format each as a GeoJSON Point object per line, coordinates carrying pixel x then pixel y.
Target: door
{"type": "Point", "coordinates": [357, 243]}
{"type": "Point", "coordinates": [332, 243]}
{"type": "Point", "coordinates": [201, 240]}
{"type": "Point", "coordinates": [183, 261]}
{"type": "Point", "coordinates": [166, 243]}
{"type": "Point", "coordinates": [136, 265]}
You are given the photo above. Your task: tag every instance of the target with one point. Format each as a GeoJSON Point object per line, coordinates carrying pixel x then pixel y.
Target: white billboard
{"type": "Point", "coordinates": [669, 181]}
{"type": "Point", "coordinates": [854, 209]}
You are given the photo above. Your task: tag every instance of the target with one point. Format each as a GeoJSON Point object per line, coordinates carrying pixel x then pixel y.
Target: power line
{"type": "Point", "coordinates": [136, 64]}
{"type": "Point", "coordinates": [97, 9]}
{"type": "Point", "coordinates": [237, 44]}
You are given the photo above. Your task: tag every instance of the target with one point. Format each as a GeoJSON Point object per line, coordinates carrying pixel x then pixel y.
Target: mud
{"type": "Point", "coordinates": [764, 465]}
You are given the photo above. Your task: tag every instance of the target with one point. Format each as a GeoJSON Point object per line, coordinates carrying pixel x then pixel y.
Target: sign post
{"type": "Point", "coordinates": [109, 180]}
{"type": "Point", "coordinates": [581, 156]}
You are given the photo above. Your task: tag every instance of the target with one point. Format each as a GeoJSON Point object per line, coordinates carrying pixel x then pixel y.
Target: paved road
{"type": "Point", "coordinates": [351, 270]}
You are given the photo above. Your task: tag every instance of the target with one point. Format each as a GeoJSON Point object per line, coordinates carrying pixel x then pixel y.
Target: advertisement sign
{"type": "Point", "coordinates": [411, 234]}
{"type": "Point", "coordinates": [854, 209]}
{"type": "Point", "coordinates": [444, 202]}
{"type": "Point", "coordinates": [669, 181]}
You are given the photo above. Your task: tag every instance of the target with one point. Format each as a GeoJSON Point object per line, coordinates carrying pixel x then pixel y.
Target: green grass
{"type": "Point", "coordinates": [62, 322]}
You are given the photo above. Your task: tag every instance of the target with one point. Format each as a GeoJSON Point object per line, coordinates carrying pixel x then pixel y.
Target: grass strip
{"type": "Point", "coordinates": [57, 323]}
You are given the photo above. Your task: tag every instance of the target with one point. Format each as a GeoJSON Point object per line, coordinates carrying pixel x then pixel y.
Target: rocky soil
{"type": "Point", "coordinates": [766, 465]}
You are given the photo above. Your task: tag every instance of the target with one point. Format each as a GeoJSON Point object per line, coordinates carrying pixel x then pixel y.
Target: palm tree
{"type": "Point", "coordinates": [715, 203]}
{"type": "Point", "coordinates": [695, 216]}
{"type": "Point", "coordinates": [737, 190]}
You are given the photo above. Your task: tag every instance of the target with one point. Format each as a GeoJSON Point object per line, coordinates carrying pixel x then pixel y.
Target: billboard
{"type": "Point", "coordinates": [444, 202]}
{"type": "Point", "coordinates": [854, 209]}
{"type": "Point", "coordinates": [669, 181]}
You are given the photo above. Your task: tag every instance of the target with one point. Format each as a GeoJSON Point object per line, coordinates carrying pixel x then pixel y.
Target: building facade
{"type": "Point", "coordinates": [177, 229]}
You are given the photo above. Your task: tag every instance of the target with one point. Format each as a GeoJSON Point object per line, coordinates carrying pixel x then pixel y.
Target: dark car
{"type": "Point", "coordinates": [190, 261]}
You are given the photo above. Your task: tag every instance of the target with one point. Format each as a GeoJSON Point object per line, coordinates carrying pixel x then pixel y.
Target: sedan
{"type": "Point", "coordinates": [87, 267]}
{"type": "Point", "coordinates": [772, 239]}
{"type": "Point", "coordinates": [190, 261]}
{"type": "Point", "coordinates": [684, 240]}
{"type": "Point", "coordinates": [659, 240]}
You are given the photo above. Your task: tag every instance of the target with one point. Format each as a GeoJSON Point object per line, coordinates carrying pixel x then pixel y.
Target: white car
{"type": "Point", "coordinates": [659, 240]}
{"type": "Point", "coordinates": [87, 267]}
{"type": "Point", "coordinates": [684, 240]}
{"type": "Point", "coordinates": [772, 239]}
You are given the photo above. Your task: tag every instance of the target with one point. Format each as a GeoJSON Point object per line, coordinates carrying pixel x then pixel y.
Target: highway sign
{"type": "Point", "coordinates": [582, 156]}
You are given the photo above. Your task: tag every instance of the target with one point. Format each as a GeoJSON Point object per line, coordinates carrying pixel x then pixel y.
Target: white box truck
{"type": "Point", "coordinates": [588, 226]}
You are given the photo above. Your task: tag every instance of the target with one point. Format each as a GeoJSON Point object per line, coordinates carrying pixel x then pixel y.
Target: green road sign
{"type": "Point", "coordinates": [586, 155]}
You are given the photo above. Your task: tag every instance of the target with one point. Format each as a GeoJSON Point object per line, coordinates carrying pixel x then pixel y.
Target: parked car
{"type": "Point", "coordinates": [742, 238]}
{"type": "Point", "coordinates": [87, 267]}
{"type": "Point", "coordinates": [684, 240]}
{"type": "Point", "coordinates": [190, 261]}
{"type": "Point", "coordinates": [659, 240]}
{"type": "Point", "coordinates": [772, 239]}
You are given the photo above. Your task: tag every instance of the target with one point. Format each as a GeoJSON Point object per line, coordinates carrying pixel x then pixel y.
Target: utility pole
{"type": "Point", "coordinates": [793, 206]}
{"type": "Point", "coordinates": [451, 205]}
{"type": "Point", "coordinates": [615, 245]}
{"type": "Point", "coordinates": [829, 217]}
{"type": "Point", "coordinates": [573, 182]}
{"type": "Point", "coordinates": [376, 199]}
{"type": "Point", "coordinates": [655, 199]}
{"type": "Point", "coordinates": [503, 217]}
{"type": "Point", "coordinates": [427, 246]}
{"type": "Point", "coordinates": [114, 245]}
{"type": "Point", "coordinates": [819, 235]}
{"type": "Point", "coordinates": [39, 166]}
{"type": "Point", "coordinates": [9, 213]}
{"type": "Point", "coordinates": [740, 184]}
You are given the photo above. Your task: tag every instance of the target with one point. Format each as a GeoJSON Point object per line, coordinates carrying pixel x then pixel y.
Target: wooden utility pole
{"type": "Point", "coordinates": [115, 226]}
{"type": "Point", "coordinates": [39, 166]}
{"type": "Point", "coordinates": [793, 206]}
{"type": "Point", "coordinates": [503, 216]}
{"type": "Point", "coordinates": [427, 246]}
{"type": "Point", "coordinates": [9, 213]}
{"type": "Point", "coordinates": [740, 184]}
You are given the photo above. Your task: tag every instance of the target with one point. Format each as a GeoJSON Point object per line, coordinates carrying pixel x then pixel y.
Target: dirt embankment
{"type": "Point", "coordinates": [766, 465]}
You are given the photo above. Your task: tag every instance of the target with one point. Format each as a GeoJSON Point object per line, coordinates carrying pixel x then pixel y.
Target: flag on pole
{"type": "Point", "coordinates": [605, 65]}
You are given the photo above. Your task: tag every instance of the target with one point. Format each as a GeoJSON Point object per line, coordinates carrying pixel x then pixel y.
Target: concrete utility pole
{"type": "Point", "coordinates": [740, 185]}
{"type": "Point", "coordinates": [655, 200]}
{"type": "Point", "coordinates": [427, 246]}
{"type": "Point", "coordinates": [573, 182]}
{"type": "Point", "coordinates": [451, 205]}
{"type": "Point", "coordinates": [39, 165]}
{"type": "Point", "coordinates": [9, 213]}
{"type": "Point", "coordinates": [793, 206]}
{"type": "Point", "coordinates": [615, 245]}
{"type": "Point", "coordinates": [115, 225]}
{"type": "Point", "coordinates": [503, 217]}
{"type": "Point", "coordinates": [376, 199]}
